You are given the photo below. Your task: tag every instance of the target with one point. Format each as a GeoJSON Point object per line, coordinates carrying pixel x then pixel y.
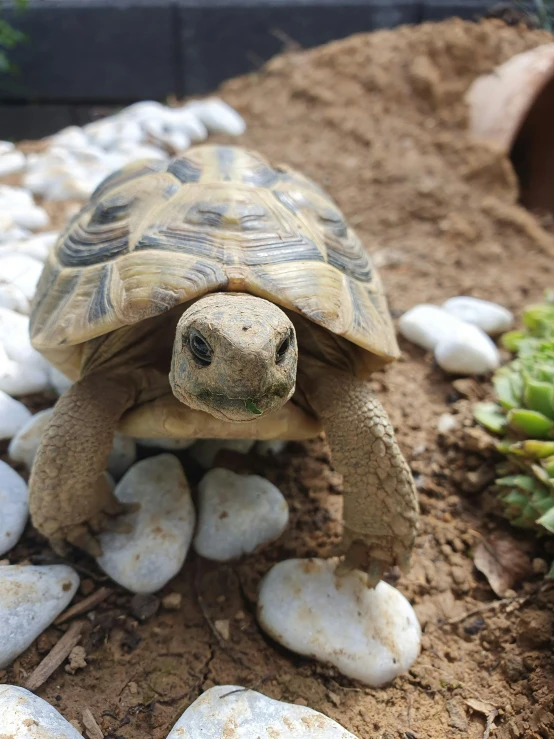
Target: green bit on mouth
{"type": "Point", "coordinates": [252, 407]}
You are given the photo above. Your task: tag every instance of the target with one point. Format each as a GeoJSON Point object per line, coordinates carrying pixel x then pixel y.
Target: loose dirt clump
{"type": "Point", "coordinates": [379, 121]}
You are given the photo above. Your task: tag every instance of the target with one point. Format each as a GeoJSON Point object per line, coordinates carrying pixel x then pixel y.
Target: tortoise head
{"type": "Point", "coordinates": [234, 356]}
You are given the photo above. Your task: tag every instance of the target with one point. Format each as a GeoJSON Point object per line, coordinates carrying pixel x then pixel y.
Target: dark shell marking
{"type": "Point", "coordinates": [156, 234]}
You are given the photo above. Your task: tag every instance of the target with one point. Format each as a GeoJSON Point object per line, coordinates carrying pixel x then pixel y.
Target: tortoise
{"type": "Point", "coordinates": [216, 296]}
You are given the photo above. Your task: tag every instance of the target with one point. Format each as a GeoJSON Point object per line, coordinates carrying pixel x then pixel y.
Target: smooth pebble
{"type": "Point", "coordinates": [13, 298]}
{"type": "Point", "coordinates": [30, 599]}
{"type": "Point", "coordinates": [21, 271]}
{"type": "Point", "coordinates": [236, 514]}
{"type": "Point", "coordinates": [369, 634]}
{"type": "Point", "coordinates": [22, 369]}
{"type": "Point", "coordinates": [14, 504]}
{"type": "Point", "coordinates": [427, 325]}
{"type": "Point", "coordinates": [468, 354]}
{"type": "Point", "coordinates": [217, 116]}
{"type": "Point", "coordinates": [229, 710]}
{"type": "Point", "coordinates": [24, 715]}
{"type": "Point", "coordinates": [492, 318]}
{"type": "Point", "coordinates": [206, 450]}
{"type": "Point", "coordinates": [13, 416]}
{"type": "Point", "coordinates": [23, 447]}
{"type": "Point", "coordinates": [12, 162]}
{"type": "Point", "coordinates": [145, 559]}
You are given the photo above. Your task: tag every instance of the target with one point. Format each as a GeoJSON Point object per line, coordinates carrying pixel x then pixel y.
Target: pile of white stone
{"type": "Point", "coordinates": [250, 714]}
{"type": "Point", "coordinates": [77, 159]}
{"type": "Point", "coordinates": [459, 333]}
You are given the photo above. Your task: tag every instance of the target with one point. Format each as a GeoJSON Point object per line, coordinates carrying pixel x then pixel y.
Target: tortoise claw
{"type": "Point", "coordinates": [81, 537]}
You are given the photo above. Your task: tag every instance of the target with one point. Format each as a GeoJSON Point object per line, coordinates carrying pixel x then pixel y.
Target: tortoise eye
{"type": "Point", "coordinates": [282, 350]}
{"type": "Point", "coordinates": [200, 349]}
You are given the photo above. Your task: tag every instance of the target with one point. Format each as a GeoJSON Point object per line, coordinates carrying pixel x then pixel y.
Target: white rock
{"type": "Point", "coordinates": [13, 416]}
{"type": "Point", "coordinates": [71, 137]}
{"type": "Point", "coordinates": [23, 447]}
{"type": "Point", "coordinates": [427, 325]}
{"type": "Point", "coordinates": [371, 635]}
{"type": "Point", "coordinates": [14, 504]}
{"type": "Point", "coordinates": [144, 560]}
{"type": "Point", "coordinates": [468, 354]}
{"type": "Point", "coordinates": [446, 423]}
{"type": "Point", "coordinates": [12, 298]}
{"type": "Point", "coordinates": [227, 711]}
{"type": "Point", "coordinates": [237, 513]}
{"type": "Point", "coordinates": [18, 203]}
{"type": "Point", "coordinates": [217, 116]}
{"type": "Point", "coordinates": [24, 715]}
{"type": "Point", "coordinates": [270, 448]}
{"type": "Point", "coordinates": [122, 456]}
{"type": "Point", "coordinates": [21, 271]}
{"type": "Point", "coordinates": [9, 231]}
{"type": "Point", "coordinates": [30, 599]}
{"type": "Point", "coordinates": [12, 162]}
{"type": "Point", "coordinates": [169, 444]}
{"type": "Point", "coordinates": [58, 380]}
{"type": "Point", "coordinates": [22, 369]}
{"type": "Point", "coordinates": [39, 245]}
{"type": "Point", "coordinates": [206, 450]}
{"type": "Point", "coordinates": [6, 146]}
{"type": "Point", "coordinates": [186, 121]}
{"type": "Point", "coordinates": [492, 318]}
{"type": "Point", "coordinates": [18, 378]}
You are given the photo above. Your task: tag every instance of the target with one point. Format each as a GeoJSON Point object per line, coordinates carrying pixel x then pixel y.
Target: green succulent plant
{"type": "Point", "coordinates": [524, 418]}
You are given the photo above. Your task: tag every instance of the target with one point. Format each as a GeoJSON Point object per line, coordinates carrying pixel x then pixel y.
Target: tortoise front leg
{"type": "Point", "coordinates": [380, 500]}
{"type": "Point", "coordinates": [69, 495]}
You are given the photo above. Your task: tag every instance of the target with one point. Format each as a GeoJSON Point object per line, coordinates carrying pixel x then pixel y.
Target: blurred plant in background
{"type": "Point", "coordinates": [10, 37]}
{"type": "Point", "coordinates": [524, 416]}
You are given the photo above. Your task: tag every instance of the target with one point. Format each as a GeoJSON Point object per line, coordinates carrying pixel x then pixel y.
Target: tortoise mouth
{"type": "Point", "coordinates": [239, 410]}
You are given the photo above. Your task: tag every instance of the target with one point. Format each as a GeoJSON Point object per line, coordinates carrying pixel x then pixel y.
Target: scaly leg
{"type": "Point", "coordinates": [380, 500]}
{"type": "Point", "coordinates": [69, 495]}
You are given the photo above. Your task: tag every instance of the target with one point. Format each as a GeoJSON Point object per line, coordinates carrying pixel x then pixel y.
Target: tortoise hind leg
{"type": "Point", "coordinates": [380, 503]}
{"type": "Point", "coordinates": [69, 495]}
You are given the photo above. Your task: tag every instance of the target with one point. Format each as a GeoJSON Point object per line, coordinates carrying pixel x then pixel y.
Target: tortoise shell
{"type": "Point", "coordinates": [157, 234]}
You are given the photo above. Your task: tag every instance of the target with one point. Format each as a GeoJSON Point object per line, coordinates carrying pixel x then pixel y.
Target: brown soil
{"type": "Point", "coordinates": [379, 121]}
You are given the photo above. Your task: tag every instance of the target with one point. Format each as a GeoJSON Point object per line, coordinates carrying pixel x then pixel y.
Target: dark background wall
{"type": "Point", "coordinates": [84, 57]}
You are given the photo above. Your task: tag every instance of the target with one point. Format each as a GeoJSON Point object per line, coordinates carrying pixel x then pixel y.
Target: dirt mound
{"type": "Point", "coordinates": [379, 121]}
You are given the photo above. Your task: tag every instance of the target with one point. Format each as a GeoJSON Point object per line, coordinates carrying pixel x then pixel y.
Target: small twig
{"type": "Point", "coordinates": [93, 730]}
{"type": "Point", "coordinates": [482, 609]}
{"type": "Point", "coordinates": [56, 656]}
{"type": "Point", "coordinates": [490, 723]}
{"type": "Point", "coordinates": [87, 604]}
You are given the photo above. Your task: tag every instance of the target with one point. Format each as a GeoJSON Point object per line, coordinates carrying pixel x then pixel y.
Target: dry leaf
{"type": "Point", "coordinates": [502, 561]}
{"type": "Point", "coordinates": [480, 706]}
{"type": "Point", "coordinates": [490, 711]}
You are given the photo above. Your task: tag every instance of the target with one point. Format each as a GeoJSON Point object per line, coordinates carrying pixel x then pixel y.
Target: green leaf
{"type": "Point", "coordinates": [512, 339]}
{"type": "Point", "coordinates": [505, 391]}
{"type": "Point", "coordinates": [530, 423]}
{"type": "Point", "coordinates": [547, 520]}
{"type": "Point", "coordinates": [251, 406]}
{"type": "Point", "coordinates": [536, 449]}
{"type": "Point", "coordinates": [523, 482]}
{"type": "Point", "coordinates": [548, 465]}
{"type": "Point", "coordinates": [539, 396]}
{"type": "Point", "coordinates": [491, 416]}
{"type": "Point", "coordinates": [550, 574]}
